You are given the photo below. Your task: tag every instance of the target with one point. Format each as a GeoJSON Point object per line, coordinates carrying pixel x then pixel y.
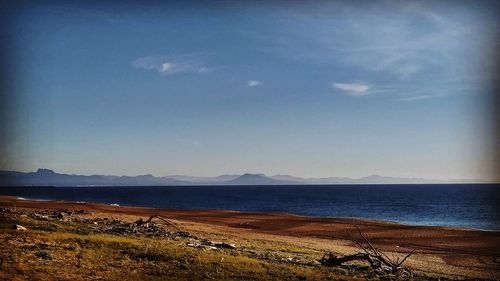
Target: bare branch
{"type": "Point", "coordinates": [407, 256]}
{"type": "Point", "coordinates": [375, 257]}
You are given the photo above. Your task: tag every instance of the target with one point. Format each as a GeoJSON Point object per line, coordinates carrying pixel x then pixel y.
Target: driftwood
{"type": "Point", "coordinates": [180, 232]}
{"type": "Point", "coordinates": [330, 259]}
{"type": "Point", "coordinates": [376, 258]}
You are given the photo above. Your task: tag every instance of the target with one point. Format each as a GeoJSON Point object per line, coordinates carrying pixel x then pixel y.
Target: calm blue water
{"type": "Point", "coordinates": [465, 205]}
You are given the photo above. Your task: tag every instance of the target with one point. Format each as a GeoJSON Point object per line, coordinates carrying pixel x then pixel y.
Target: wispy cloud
{"type": "Point", "coordinates": [170, 65]}
{"type": "Point", "coordinates": [403, 39]}
{"type": "Point", "coordinates": [356, 89]}
{"type": "Point", "coordinates": [253, 83]}
{"type": "Point", "coordinates": [398, 45]}
{"type": "Point", "coordinates": [426, 96]}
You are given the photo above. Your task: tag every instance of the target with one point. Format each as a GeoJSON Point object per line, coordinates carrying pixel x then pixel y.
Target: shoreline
{"type": "Point", "coordinates": [360, 219]}
{"type": "Point", "coordinates": [439, 251]}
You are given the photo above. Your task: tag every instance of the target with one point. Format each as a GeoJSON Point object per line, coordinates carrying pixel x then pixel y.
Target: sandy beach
{"type": "Point", "coordinates": [444, 252]}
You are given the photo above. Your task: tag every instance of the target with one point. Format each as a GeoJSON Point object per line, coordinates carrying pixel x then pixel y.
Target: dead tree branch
{"type": "Point", "coordinates": [376, 258]}
{"type": "Point", "coordinates": [166, 221]}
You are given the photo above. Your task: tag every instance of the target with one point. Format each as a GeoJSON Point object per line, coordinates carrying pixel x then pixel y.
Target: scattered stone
{"type": "Point", "coordinates": [250, 251]}
{"type": "Point", "coordinates": [225, 245]}
{"type": "Point", "coordinates": [194, 245]}
{"type": "Point", "coordinates": [43, 255]}
{"type": "Point", "coordinates": [40, 217]}
{"type": "Point", "coordinates": [182, 234]}
{"type": "Point", "coordinates": [19, 227]}
{"type": "Point", "coordinates": [221, 245]}
{"type": "Point", "coordinates": [207, 244]}
{"type": "Point", "coordinates": [137, 228]}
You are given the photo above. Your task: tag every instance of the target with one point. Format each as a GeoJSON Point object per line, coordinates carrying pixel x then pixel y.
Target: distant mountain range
{"type": "Point", "coordinates": [46, 177]}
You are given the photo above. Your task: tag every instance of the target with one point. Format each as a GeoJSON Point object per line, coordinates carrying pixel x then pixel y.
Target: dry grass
{"type": "Point", "coordinates": [53, 251]}
{"type": "Point", "coordinates": [68, 249]}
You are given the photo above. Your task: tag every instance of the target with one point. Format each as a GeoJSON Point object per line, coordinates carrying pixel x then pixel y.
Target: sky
{"type": "Point", "coordinates": [312, 89]}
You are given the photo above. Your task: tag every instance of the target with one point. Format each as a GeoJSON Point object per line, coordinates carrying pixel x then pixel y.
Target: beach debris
{"type": "Point", "coordinates": [210, 245]}
{"type": "Point", "coordinates": [221, 245]}
{"type": "Point", "coordinates": [225, 245]}
{"type": "Point", "coordinates": [166, 221]}
{"type": "Point", "coordinates": [19, 227]}
{"type": "Point", "coordinates": [376, 258]}
{"type": "Point", "coordinates": [330, 259]}
{"type": "Point", "coordinates": [194, 244]}
{"type": "Point", "coordinates": [179, 232]}
{"type": "Point", "coordinates": [56, 214]}
{"type": "Point", "coordinates": [147, 228]}
{"type": "Point", "coordinates": [199, 245]}
{"type": "Point", "coordinates": [40, 217]}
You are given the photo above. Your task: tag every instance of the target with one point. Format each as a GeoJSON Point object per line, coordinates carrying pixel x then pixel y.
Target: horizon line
{"type": "Point", "coordinates": [268, 176]}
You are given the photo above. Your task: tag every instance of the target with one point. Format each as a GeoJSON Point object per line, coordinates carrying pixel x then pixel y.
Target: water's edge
{"type": "Point", "coordinates": [469, 206]}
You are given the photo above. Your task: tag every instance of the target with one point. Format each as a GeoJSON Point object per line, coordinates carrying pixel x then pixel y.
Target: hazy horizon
{"type": "Point", "coordinates": [322, 89]}
{"type": "Point", "coordinates": [468, 180]}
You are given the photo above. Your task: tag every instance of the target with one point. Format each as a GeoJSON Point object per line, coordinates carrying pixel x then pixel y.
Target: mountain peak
{"type": "Point", "coordinates": [48, 177]}
{"type": "Point", "coordinates": [247, 175]}
{"type": "Point", "coordinates": [254, 179]}
{"type": "Point", "coordinates": [45, 171]}
{"type": "Point", "coordinates": [374, 176]}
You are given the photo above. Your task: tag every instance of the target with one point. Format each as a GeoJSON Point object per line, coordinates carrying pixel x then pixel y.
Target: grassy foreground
{"type": "Point", "coordinates": [65, 250]}
{"type": "Point", "coordinates": [100, 242]}
{"type": "Point", "coordinates": [43, 255]}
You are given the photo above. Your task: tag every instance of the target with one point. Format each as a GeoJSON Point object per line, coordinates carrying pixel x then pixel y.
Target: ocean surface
{"type": "Point", "coordinates": [463, 205]}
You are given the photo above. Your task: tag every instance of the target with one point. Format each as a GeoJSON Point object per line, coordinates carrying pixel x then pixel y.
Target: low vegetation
{"type": "Point", "coordinates": [69, 246]}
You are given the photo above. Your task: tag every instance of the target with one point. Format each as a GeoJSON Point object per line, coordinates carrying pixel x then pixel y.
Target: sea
{"type": "Point", "coordinates": [456, 205]}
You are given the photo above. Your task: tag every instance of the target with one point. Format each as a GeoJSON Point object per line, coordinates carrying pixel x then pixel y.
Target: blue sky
{"type": "Point", "coordinates": [307, 89]}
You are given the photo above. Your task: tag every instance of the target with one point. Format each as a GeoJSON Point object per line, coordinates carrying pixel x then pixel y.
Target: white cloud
{"type": "Point", "coordinates": [169, 65]}
{"type": "Point", "coordinates": [166, 67]}
{"type": "Point", "coordinates": [253, 83]}
{"type": "Point", "coordinates": [356, 89]}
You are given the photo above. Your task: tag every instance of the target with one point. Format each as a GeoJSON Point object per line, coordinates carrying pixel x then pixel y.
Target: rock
{"type": "Point", "coordinates": [194, 245]}
{"type": "Point", "coordinates": [19, 227]}
{"type": "Point", "coordinates": [43, 255]}
{"type": "Point", "coordinates": [182, 234]}
{"type": "Point", "coordinates": [40, 217]}
{"type": "Point", "coordinates": [225, 245]}
{"type": "Point", "coordinates": [222, 245]}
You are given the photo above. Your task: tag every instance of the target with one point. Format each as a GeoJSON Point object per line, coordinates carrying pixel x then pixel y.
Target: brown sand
{"type": "Point", "coordinates": [440, 251]}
